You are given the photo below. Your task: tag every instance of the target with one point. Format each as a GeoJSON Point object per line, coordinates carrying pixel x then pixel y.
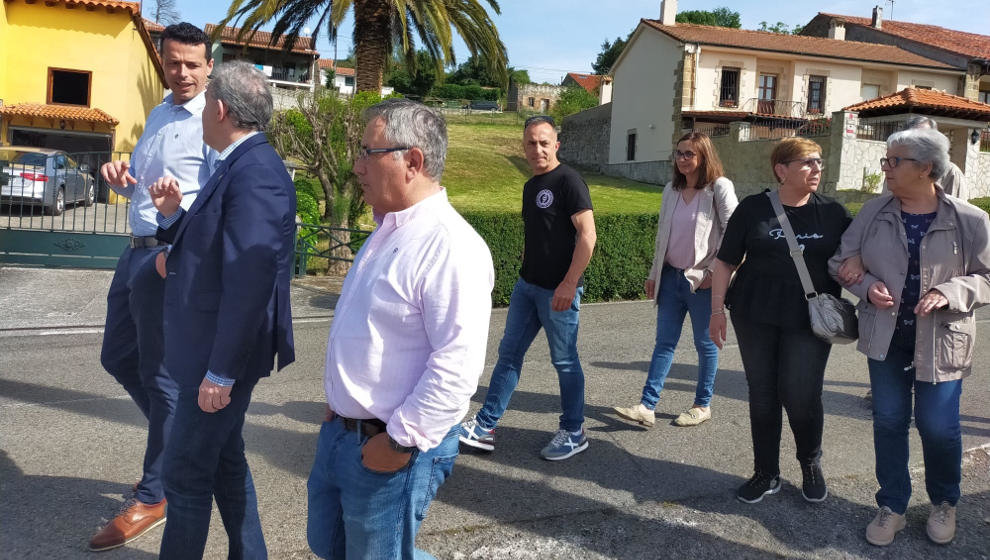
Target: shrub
{"type": "Point", "coordinates": [617, 270]}
{"type": "Point", "coordinates": [982, 203]}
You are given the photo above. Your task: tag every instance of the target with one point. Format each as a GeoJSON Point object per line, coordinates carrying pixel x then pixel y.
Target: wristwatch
{"type": "Point", "coordinates": [395, 445]}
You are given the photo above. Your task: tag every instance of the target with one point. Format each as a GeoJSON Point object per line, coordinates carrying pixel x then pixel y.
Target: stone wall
{"type": "Point", "coordinates": [518, 95]}
{"type": "Point", "coordinates": [584, 142]}
{"type": "Point", "coordinates": [978, 173]}
{"type": "Point", "coordinates": [859, 159]}
{"type": "Point", "coordinates": [746, 163]}
{"type": "Point", "coordinates": [584, 137]}
{"type": "Point", "coordinates": [286, 98]}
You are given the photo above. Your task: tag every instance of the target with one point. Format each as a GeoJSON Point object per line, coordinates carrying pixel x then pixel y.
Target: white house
{"type": "Point", "coordinates": [673, 77]}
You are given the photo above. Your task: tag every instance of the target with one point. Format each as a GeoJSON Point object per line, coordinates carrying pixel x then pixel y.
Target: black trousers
{"type": "Point", "coordinates": [785, 369]}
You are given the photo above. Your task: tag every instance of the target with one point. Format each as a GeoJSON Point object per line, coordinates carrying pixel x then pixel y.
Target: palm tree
{"type": "Point", "coordinates": [383, 26]}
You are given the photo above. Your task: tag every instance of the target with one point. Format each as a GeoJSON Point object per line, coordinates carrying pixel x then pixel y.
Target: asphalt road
{"type": "Point", "coordinates": [71, 444]}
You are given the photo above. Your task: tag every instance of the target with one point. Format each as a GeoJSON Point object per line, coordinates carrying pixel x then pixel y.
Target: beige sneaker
{"type": "Point", "coordinates": [942, 523]}
{"type": "Point", "coordinates": [884, 527]}
{"type": "Point", "coordinates": [638, 413]}
{"type": "Point", "coordinates": [693, 416]}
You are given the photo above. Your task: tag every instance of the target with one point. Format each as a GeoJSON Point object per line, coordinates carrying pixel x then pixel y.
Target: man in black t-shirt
{"type": "Point", "coordinates": [559, 239]}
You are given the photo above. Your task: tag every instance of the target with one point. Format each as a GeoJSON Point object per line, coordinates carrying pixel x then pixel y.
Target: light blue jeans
{"type": "Point", "coordinates": [674, 302]}
{"type": "Point", "coordinates": [529, 310]}
{"type": "Point", "coordinates": [358, 513]}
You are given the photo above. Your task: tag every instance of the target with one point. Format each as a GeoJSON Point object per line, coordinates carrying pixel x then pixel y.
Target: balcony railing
{"type": "Point", "coordinates": [774, 107]}
{"type": "Point", "coordinates": [283, 75]}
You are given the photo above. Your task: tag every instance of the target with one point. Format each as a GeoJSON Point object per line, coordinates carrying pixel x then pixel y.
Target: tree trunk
{"type": "Point", "coordinates": [372, 41]}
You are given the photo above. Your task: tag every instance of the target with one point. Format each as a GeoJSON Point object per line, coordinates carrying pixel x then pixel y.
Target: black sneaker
{"type": "Point", "coordinates": [757, 487]}
{"type": "Point", "coordinates": [813, 485]}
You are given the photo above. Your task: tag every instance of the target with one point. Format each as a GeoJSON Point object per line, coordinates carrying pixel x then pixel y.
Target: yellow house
{"type": "Point", "coordinates": [77, 75]}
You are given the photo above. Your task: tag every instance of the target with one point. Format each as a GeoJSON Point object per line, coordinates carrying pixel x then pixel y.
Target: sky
{"type": "Point", "coordinates": [550, 38]}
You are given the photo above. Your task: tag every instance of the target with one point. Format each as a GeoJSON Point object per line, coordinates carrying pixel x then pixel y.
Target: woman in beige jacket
{"type": "Point", "coordinates": [696, 207]}
{"type": "Point", "coordinates": [926, 268]}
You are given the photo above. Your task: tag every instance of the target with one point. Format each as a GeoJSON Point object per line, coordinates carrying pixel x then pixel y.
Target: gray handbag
{"type": "Point", "coordinates": [833, 319]}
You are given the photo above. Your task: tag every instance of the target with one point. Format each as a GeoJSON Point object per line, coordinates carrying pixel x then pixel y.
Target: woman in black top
{"type": "Point", "coordinates": [783, 359]}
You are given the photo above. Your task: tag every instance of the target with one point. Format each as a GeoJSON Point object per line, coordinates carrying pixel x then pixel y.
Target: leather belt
{"type": "Point", "coordinates": [371, 427]}
{"type": "Point", "coordinates": [145, 242]}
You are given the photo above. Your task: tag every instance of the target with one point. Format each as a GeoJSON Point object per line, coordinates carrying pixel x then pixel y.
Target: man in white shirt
{"type": "Point", "coordinates": [406, 348]}
{"type": "Point", "coordinates": [133, 343]}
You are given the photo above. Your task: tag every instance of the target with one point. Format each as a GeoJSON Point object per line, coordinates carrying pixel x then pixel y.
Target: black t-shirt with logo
{"type": "Point", "coordinates": [549, 201]}
{"type": "Point", "coordinates": [767, 288]}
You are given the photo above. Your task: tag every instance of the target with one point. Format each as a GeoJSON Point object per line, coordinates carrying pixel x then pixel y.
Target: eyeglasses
{"type": "Point", "coordinates": [893, 162]}
{"type": "Point", "coordinates": [366, 152]}
{"type": "Point", "coordinates": [808, 162]}
{"type": "Point", "coordinates": [684, 155]}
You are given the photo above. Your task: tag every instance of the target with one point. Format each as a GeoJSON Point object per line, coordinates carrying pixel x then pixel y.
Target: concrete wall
{"type": "Point", "coordinates": [709, 78]}
{"type": "Point", "coordinates": [643, 97]}
{"type": "Point", "coordinates": [913, 78]}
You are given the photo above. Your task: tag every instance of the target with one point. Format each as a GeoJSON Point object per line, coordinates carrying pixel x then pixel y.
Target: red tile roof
{"type": "Point", "coordinates": [914, 98]}
{"type": "Point", "coordinates": [259, 39]}
{"type": "Point", "coordinates": [328, 64]}
{"type": "Point", "coordinates": [152, 26]}
{"type": "Point", "coordinates": [590, 82]}
{"type": "Point", "coordinates": [793, 44]}
{"type": "Point", "coordinates": [134, 8]}
{"type": "Point", "coordinates": [969, 44]}
{"type": "Point", "coordinates": [66, 112]}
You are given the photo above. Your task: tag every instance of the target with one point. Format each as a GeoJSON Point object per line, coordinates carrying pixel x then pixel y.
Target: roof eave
{"type": "Point", "coordinates": [830, 56]}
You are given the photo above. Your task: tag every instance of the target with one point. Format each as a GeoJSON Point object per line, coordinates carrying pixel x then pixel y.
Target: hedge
{"type": "Point", "coordinates": [618, 267]}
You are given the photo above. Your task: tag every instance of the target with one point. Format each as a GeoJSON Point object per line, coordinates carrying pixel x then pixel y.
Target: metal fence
{"type": "Point", "coordinates": [878, 131]}
{"type": "Point", "coordinates": [66, 196]}
{"type": "Point", "coordinates": [775, 129]}
{"type": "Point", "coordinates": [713, 130]}
{"type": "Point", "coordinates": [317, 246]}
{"type": "Point", "coordinates": [985, 141]}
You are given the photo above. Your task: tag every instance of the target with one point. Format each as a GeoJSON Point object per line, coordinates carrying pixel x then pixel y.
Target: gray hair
{"type": "Point", "coordinates": [244, 90]}
{"type": "Point", "coordinates": [925, 145]}
{"type": "Point", "coordinates": [414, 125]}
{"type": "Point", "coordinates": [920, 121]}
{"type": "Point", "coordinates": [540, 119]}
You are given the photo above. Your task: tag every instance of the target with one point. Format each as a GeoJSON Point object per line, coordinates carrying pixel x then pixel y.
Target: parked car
{"type": "Point", "coordinates": [43, 177]}
{"type": "Point", "coordinates": [482, 105]}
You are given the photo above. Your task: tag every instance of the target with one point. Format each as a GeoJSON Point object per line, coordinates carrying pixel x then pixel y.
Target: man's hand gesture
{"type": "Point", "coordinates": [116, 173]}
{"type": "Point", "coordinates": [166, 195]}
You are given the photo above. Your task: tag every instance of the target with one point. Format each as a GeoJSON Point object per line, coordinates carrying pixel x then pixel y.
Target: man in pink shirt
{"type": "Point", "coordinates": [406, 349]}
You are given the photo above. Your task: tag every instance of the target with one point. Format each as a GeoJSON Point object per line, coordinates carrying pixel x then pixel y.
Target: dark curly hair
{"type": "Point", "coordinates": [188, 34]}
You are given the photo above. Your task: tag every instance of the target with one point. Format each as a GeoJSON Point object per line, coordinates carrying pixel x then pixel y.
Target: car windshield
{"type": "Point", "coordinates": [23, 158]}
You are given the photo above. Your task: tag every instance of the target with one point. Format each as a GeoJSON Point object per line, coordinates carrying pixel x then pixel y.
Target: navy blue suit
{"type": "Point", "coordinates": [226, 311]}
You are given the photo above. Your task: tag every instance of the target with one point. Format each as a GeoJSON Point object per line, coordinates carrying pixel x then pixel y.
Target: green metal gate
{"type": "Point", "coordinates": [60, 213]}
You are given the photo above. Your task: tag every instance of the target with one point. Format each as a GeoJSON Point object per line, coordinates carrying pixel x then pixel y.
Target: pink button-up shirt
{"type": "Point", "coordinates": [409, 334]}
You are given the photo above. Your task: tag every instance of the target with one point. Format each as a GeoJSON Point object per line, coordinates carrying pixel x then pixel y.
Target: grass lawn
{"type": "Point", "coordinates": [486, 170]}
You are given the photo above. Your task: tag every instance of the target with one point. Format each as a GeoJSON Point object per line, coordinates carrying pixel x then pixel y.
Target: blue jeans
{"type": "Point", "coordinates": [936, 414]}
{"type": "Point", "coordinates": [358, 513]}
{"type": "Point", "coordinates": [529, 309]}
{"type": "Point", "coordinates": [204, 460]}
{"type": "Point", "coordinates": [133, 353]}
{"type": "Point", "coordinates": [673, 303]}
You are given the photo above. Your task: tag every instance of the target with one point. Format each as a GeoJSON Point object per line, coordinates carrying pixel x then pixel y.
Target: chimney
{"type": "Point", "coordinates": [837, 30]}
{"type": "Point", "coordinates": [877, 22]}
{"type": "Point", "coordinates": [668, 11]}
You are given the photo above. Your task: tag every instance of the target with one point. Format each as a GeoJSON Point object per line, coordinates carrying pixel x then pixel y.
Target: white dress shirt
{"type": "Point", "coordinates": [171, 144]}
{"type": "Point", "coordinates": [409, 334]}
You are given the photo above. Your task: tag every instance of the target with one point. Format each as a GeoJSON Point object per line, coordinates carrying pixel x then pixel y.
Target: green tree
{"type": "Point", "coordinates": [781, 28]}
{"type": "Point", "coordinates": [572, 100]}
{"type": "Point", "coordinates": [418, 80]}
{"type": "Point", "coordinates": [609, 54]}
{"type": "Point", "coordinates": [519, 76]}
{"type": "Point", "coordinates": [380, 26]}
{"type": "Point", "coordinates": [473, 72]}
{"type": "Point", "coordinates": [722, 17]}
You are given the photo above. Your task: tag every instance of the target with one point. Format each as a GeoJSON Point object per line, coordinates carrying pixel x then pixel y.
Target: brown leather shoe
{"type": "Point", "coordinates": [135, 519]}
